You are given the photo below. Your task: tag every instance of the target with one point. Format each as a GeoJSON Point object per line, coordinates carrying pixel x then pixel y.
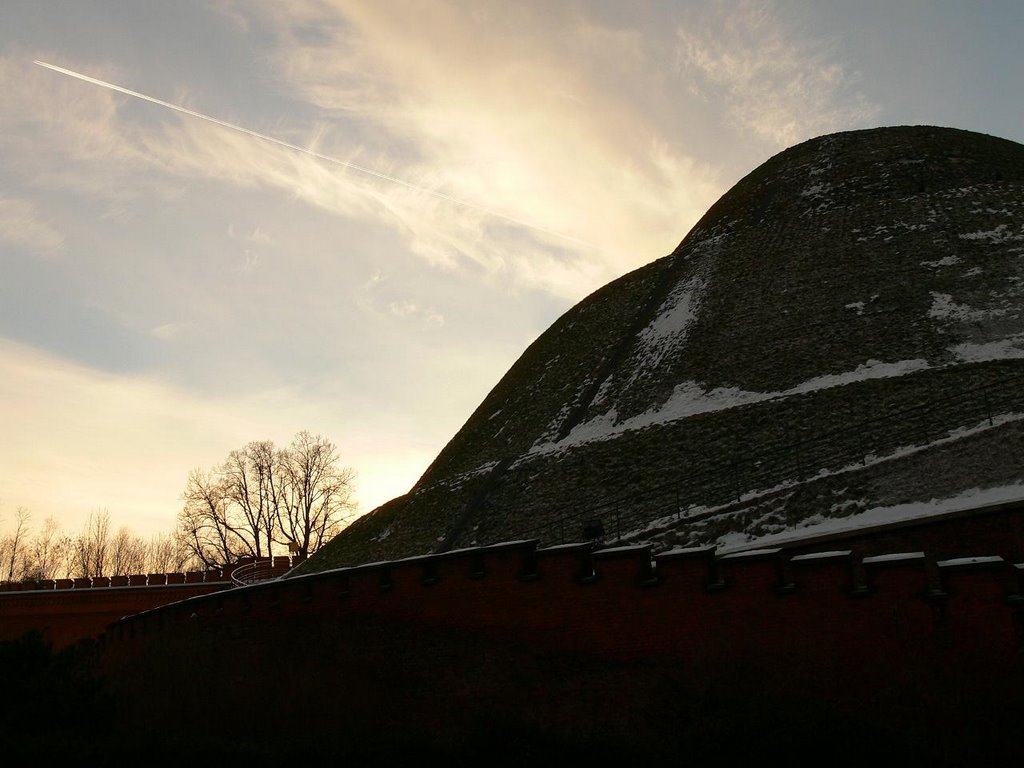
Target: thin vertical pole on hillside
{"type": "Point", "coordinates": [797, 447]}
{"type": "Point", "coordinates": [858, 430]}
{"type": "Point", "coordinates": [734, 471]}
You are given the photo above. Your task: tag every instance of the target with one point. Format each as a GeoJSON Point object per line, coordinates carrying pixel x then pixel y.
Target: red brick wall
{"type": "Point", "coordinates": [564, 641]}
{"type": "Point", "coordinates": [68, 610]}
{"type": "Point", "coordinates": [611, 647]}
{"type": "Point", "coordinates": [65, 616]}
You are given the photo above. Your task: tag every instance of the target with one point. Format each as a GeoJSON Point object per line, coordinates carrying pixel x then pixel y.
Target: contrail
{"type": "Point", "coordinates": [304, 150]}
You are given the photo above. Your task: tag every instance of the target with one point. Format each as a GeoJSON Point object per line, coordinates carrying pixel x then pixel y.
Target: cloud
{"type": "Point", "coordinates": [562, 125]}
{"type": "Point", "coordinates": [256, 235]}
{"type": "Point", "coordinates": [53, 128]}
{"type": "Point", "coordinates": [169, 331]}
{"type": "Point", "coordinates": [523, 124]}
{"type": "Point", "coordinates": [782, 88]}
{"type": "Point", "coordinates": [410, 310]}
{"type": "Point", "coordinates": [403, 308]}
{"type": "Point", "coordinates": [22, 226]}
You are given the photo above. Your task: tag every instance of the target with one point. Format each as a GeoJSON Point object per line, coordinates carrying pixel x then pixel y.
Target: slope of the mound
{"type": "Point", "coordinates": [862, 286]}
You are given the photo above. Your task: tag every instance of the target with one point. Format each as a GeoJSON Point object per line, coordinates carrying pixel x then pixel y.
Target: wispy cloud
{"type": "Point", "coordinates": [520, 123]}
{"type": "Point", "coordinates": [411, 310]}
{"type": "Point", "coordinates": [782, 87]}
{"type": "Point", "coordinates": [523, 125]}
{"type": "Point", "coordinates": [23, 226]}
{"type": "Point", "coordinates": [169, 331]}
{"type": "Point", "coordinates": [51, 131]}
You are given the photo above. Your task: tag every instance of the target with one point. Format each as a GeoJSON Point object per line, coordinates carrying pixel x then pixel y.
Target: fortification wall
{"type": "Point", "coordinates": [612, 648]}
{"type": "Point", "coordinates": [65, 611]}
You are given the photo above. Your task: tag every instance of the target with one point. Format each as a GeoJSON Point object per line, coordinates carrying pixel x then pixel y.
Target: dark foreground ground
{"type": "Point", "coordinates": [58, 706]}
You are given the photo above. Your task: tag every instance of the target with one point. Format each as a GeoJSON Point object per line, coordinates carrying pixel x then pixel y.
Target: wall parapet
{"type": "Point", "coordinates": [626, 601]}
{"type": "Point", "coordinates": [68, 610]}
{"type": "Point", "coordinates": [275, 568]}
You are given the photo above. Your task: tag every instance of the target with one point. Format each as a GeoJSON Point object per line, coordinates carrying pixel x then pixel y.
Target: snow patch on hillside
{"type": "Point", "coordinates": [689, 399]}
{"type": "Point", "coordinates": [872, 369]}
{"type": "Point", "coordinates": [944, 308]}
{"type": "Point", "coordinates": [700, 511]}
{"type": "Point", "coordinates": [815, 190]}
{"type": "Point", "coordinates": [668, 330]}
{"type": "Point", "coordinates": [1003, 349]}
{"type": "Point", "coordinates": [946, 261]}
{"type": "Point", "coordinates": [1000, 234]}
{"type": "Point", "coordinates": [819, 526]}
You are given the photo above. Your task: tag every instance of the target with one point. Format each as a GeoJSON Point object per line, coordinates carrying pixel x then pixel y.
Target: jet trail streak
{"type": "Point", "coordinates": [296, 148]}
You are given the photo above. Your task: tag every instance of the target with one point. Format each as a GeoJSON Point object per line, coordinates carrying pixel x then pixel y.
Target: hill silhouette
{"type": "Point", "coordinates": [842, 331]}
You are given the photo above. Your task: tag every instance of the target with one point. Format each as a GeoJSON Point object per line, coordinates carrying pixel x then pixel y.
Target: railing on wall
{"type": "Point", "coordinates": [263, 569]}
{"type": "Point", "coordinates": [253, 570]}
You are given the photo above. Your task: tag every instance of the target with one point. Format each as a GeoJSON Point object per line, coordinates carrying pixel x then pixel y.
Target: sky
{"type": "Point", "coordinates": [420, 190]}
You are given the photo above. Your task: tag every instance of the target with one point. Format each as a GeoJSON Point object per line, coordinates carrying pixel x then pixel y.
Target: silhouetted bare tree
{"type": "Point", "coordinates": [318, 493]}
{"type": "Point", "coordinates": [92, 546]}
{"type": "Point", "coordinates": [50, 552]}
{"type": "Point", "coordinates": [253, 483]}
{"type": "Point", "coordinates": [126, 554]}
{"type": "Point", "coordinates": [261, 496]}
{"type": "Point", "coordinates": [204, 526]}
{"type": "Point", "coordinates": [168, 554]}
{"type": "Point", "coordinates": [13, 548]}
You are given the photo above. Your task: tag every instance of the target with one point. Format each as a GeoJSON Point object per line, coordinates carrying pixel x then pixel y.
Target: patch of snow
{"type": "Point", "coordinates": [752, 553]}
{"type": "Point", "coordinates": [602, 391]}
{"type": "Point", "coordinates": [501, 544]}
{"type": "Point", "coordinates": [456, 481]}
{"type": "Point", "coordinates": [944, 308]}
{"type": "Point", "coordinates": [947, 261]}
{"type": "Point", "coordinates": [572, 545]}
{"type": "Point", "coordinates": [596, 428]}
{"type": "Point", "coordinates": [680, 551]}
{"type": "Point", "coordinates": [956, 561]}
{"type": "Point", "coordinates": [819, 169]}
{"type": "Point", "coordinates": [738, 538]}
{"type": "Point", "coordinates": [1004, 349]}
{"type": "Point", "coordinates": [1000, 234]}
{"type": "Point", "coordinates": [689, 399]}
{"type": "Point", "coordinates": [895, 557]}
{"type": "Point", "coordinates": [965, 500]}
{"type": "Point", "coordinates": [668, 330]}
{"type": "Point", "coordinates": [816, 189]}
{"type": "Point", "coordinates": [994, 211]}
{"type": "Point", "coordinates": [835, 553]}
{"type": "Point", "coordinates": [627, 548]}
{"type": "Point", "coordinates": [872, 369]}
